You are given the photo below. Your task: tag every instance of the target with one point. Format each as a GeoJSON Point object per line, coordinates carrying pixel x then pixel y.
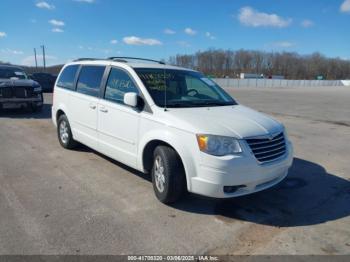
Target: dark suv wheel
{"type": "Point", "coordinates": [168, 175]}
{"type": "Point", "coordinates": [64, 133]}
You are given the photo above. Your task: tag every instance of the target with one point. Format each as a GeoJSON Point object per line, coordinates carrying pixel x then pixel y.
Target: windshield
{"type": "Point", "coordinates": [183, 88]}
{"type": "Point", "coordinates": [14, 73]}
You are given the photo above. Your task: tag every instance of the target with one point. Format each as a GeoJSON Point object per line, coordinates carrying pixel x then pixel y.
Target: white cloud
{"type": "Point", "coordinates": [55, 22]}
{"type": "Point", "coordinates": [284, 44]}
{"type": "Point", "coordinates": [106, 51]}
{"type": "Point", "coordinates": [85, 1]}
{"type": "Point", "coordinates": [190, 31]}
{"type": "Point", "coordinates": [169, 31]}
{"type": "Point", "coordinates": [11, 51]}
{"type": "Point", "coordinates": [114, 41]}
{"type": "Point", "coordinates": [2, 34]}
{"type": "Point", "coordinates": [345, 7]}
{"type": "Point", "coordinates": [30, 60]}
{"type": "Point", "coordinates": [97, 49]}
{"type": "Point", "coordinates": [134, 40]}
{"type": "Point", "coordinates": [183, 43]}
{"type": "Point", "coordinates": [45, 5]}
{"type": "Point", "coordinates": [307, 23]}
{"type": "Point", "coordinates": [251, 17]}
{"type": "Point", "coordinates": [57, 30]}
{"type": "Point", "coordinates": [34, 21]}
{"type": "Point", "coordinates": [210, 36]}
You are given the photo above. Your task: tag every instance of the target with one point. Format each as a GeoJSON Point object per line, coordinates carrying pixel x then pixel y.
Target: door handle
{"type": "Point", "coordinates": [92, 106]}
{"type": "Point", "coordinates": [103, 109]}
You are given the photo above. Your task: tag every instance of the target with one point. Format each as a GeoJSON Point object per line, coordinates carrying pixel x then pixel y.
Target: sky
{"type": "Point", "coordinates": [158, 29]}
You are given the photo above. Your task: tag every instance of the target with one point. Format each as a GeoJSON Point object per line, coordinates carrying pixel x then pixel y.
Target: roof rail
{"type": "Point", "coordinates": [125, 58]}
{"type": "Point", "coordinates": [86, 59]}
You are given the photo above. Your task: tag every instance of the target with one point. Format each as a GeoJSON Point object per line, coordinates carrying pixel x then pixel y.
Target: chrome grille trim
{"type": "Point", "coordinates": [280, 143]}
{"type": "Point", "coordinates": [273, 150]}
{"type": "Point", "coordinates": [266, 140]}
{"type": "Point", "coordinates": [267, 150]}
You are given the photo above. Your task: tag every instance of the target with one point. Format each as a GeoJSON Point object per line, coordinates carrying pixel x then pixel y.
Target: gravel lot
{"type": "Point", "coordinates": [54, 201]}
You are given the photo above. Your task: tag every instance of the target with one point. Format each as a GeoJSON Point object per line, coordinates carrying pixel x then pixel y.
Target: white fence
{"type": "Point", "coordinates": [229, 82]}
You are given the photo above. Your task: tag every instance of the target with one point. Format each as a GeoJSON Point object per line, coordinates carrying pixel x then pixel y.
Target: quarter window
{"type": "Point", "coordinates": [90, 80]}
{"type": "Point", "coordinates": [119, 83]}
{"type": "Point", "coordinates": [67, 77]}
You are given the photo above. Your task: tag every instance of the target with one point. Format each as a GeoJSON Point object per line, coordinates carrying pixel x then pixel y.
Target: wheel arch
{"type": "Point", "coordinates": [59, 113]}
{"type": "Point", "coordinates": [147, 153]}
{"type": "Point", "coordinates": [147, 146]}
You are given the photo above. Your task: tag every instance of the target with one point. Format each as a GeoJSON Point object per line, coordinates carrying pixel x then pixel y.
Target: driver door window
{"type": "Point", "coordinates": [119, 83]}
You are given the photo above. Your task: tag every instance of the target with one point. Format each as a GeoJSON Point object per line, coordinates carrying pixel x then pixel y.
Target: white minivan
{"type": "Point", "coordinates": [171, 122]}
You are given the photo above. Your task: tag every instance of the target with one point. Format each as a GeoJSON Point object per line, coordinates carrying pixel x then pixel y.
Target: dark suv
{"type": "Point", "coordinates": [17, 90]}
{"type": "Point", "coordinates": [46, 80]}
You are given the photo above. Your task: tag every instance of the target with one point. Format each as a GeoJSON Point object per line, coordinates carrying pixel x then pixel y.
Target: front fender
{"type": "Point", "coordinates": [183, 143]}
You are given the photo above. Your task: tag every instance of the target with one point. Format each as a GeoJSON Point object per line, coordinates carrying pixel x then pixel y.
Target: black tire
{"type": "Point", "coordinates": [68, 142]}
{"type": "Point", "coordinates": [174, 185]}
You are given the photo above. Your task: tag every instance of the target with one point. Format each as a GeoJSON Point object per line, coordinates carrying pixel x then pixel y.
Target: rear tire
{"type": "Point", "coordinates": [64, 133]}
{"type": "Point", "coordinates": [168, 175]}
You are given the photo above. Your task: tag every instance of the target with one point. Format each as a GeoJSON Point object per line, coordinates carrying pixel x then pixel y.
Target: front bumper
{"type": "Point", "coordinates": [22, 100]}
{"type": "Point", "coordinates": [240, 170]}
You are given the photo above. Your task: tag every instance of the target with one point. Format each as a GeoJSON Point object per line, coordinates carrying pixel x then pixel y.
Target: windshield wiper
{"type": "Point", "coordinates": [197, 104]}
{"type": "Point", "coordinates": [213, 103]}
{"type": "Point", "coordinates": [176, 105]}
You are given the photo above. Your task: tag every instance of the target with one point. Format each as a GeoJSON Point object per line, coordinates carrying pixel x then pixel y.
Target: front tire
{"type": "Point", "coordinates": [168, 175]}
{"type": "Point", "coordinates": [64, 133]}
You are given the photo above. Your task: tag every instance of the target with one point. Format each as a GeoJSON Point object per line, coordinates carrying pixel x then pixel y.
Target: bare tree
{"type": "Point", "coordinates": [219, 63]}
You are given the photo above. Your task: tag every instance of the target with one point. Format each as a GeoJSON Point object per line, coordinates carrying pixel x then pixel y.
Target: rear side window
{"type": "Point", "coordinates": [89, 81]}
{"type": "Point", "coordinates": [119, 83]}
{"type": "Point", "coordinates": [67, 77]}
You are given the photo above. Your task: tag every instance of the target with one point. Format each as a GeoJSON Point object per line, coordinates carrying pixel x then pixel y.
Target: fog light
{"type": "Point", "coordinates": [232, 189]}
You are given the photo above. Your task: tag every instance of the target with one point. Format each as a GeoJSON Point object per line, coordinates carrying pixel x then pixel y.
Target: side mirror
{"type": "Point", "coordinates": [131, 99]}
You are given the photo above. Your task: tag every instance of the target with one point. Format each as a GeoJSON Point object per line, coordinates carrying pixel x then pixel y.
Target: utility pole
{"type": "Point", "coordinates": [44, 60]}
{"type": "Point", "coordinates": [36, 61]}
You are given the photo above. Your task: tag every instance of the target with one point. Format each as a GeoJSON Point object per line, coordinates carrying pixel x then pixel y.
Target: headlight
{"type": "Point", "coordinates": [218, 145]}
{"type": "Point", "coordinates": [37, 89]}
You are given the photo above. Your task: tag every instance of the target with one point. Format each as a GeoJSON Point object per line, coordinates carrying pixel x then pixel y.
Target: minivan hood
{"type": "Point", "coordinates": [237, 121]}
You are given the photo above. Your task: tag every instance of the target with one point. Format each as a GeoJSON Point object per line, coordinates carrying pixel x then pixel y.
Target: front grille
{"type": "Point", "coordinates": [16, 92]}
{"type": "Point", "coordinates": [20, 92]}
{"type": "Point", "coordinates": [6, 92]}
{"type": "Point", "coordinates": [267, 150]}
